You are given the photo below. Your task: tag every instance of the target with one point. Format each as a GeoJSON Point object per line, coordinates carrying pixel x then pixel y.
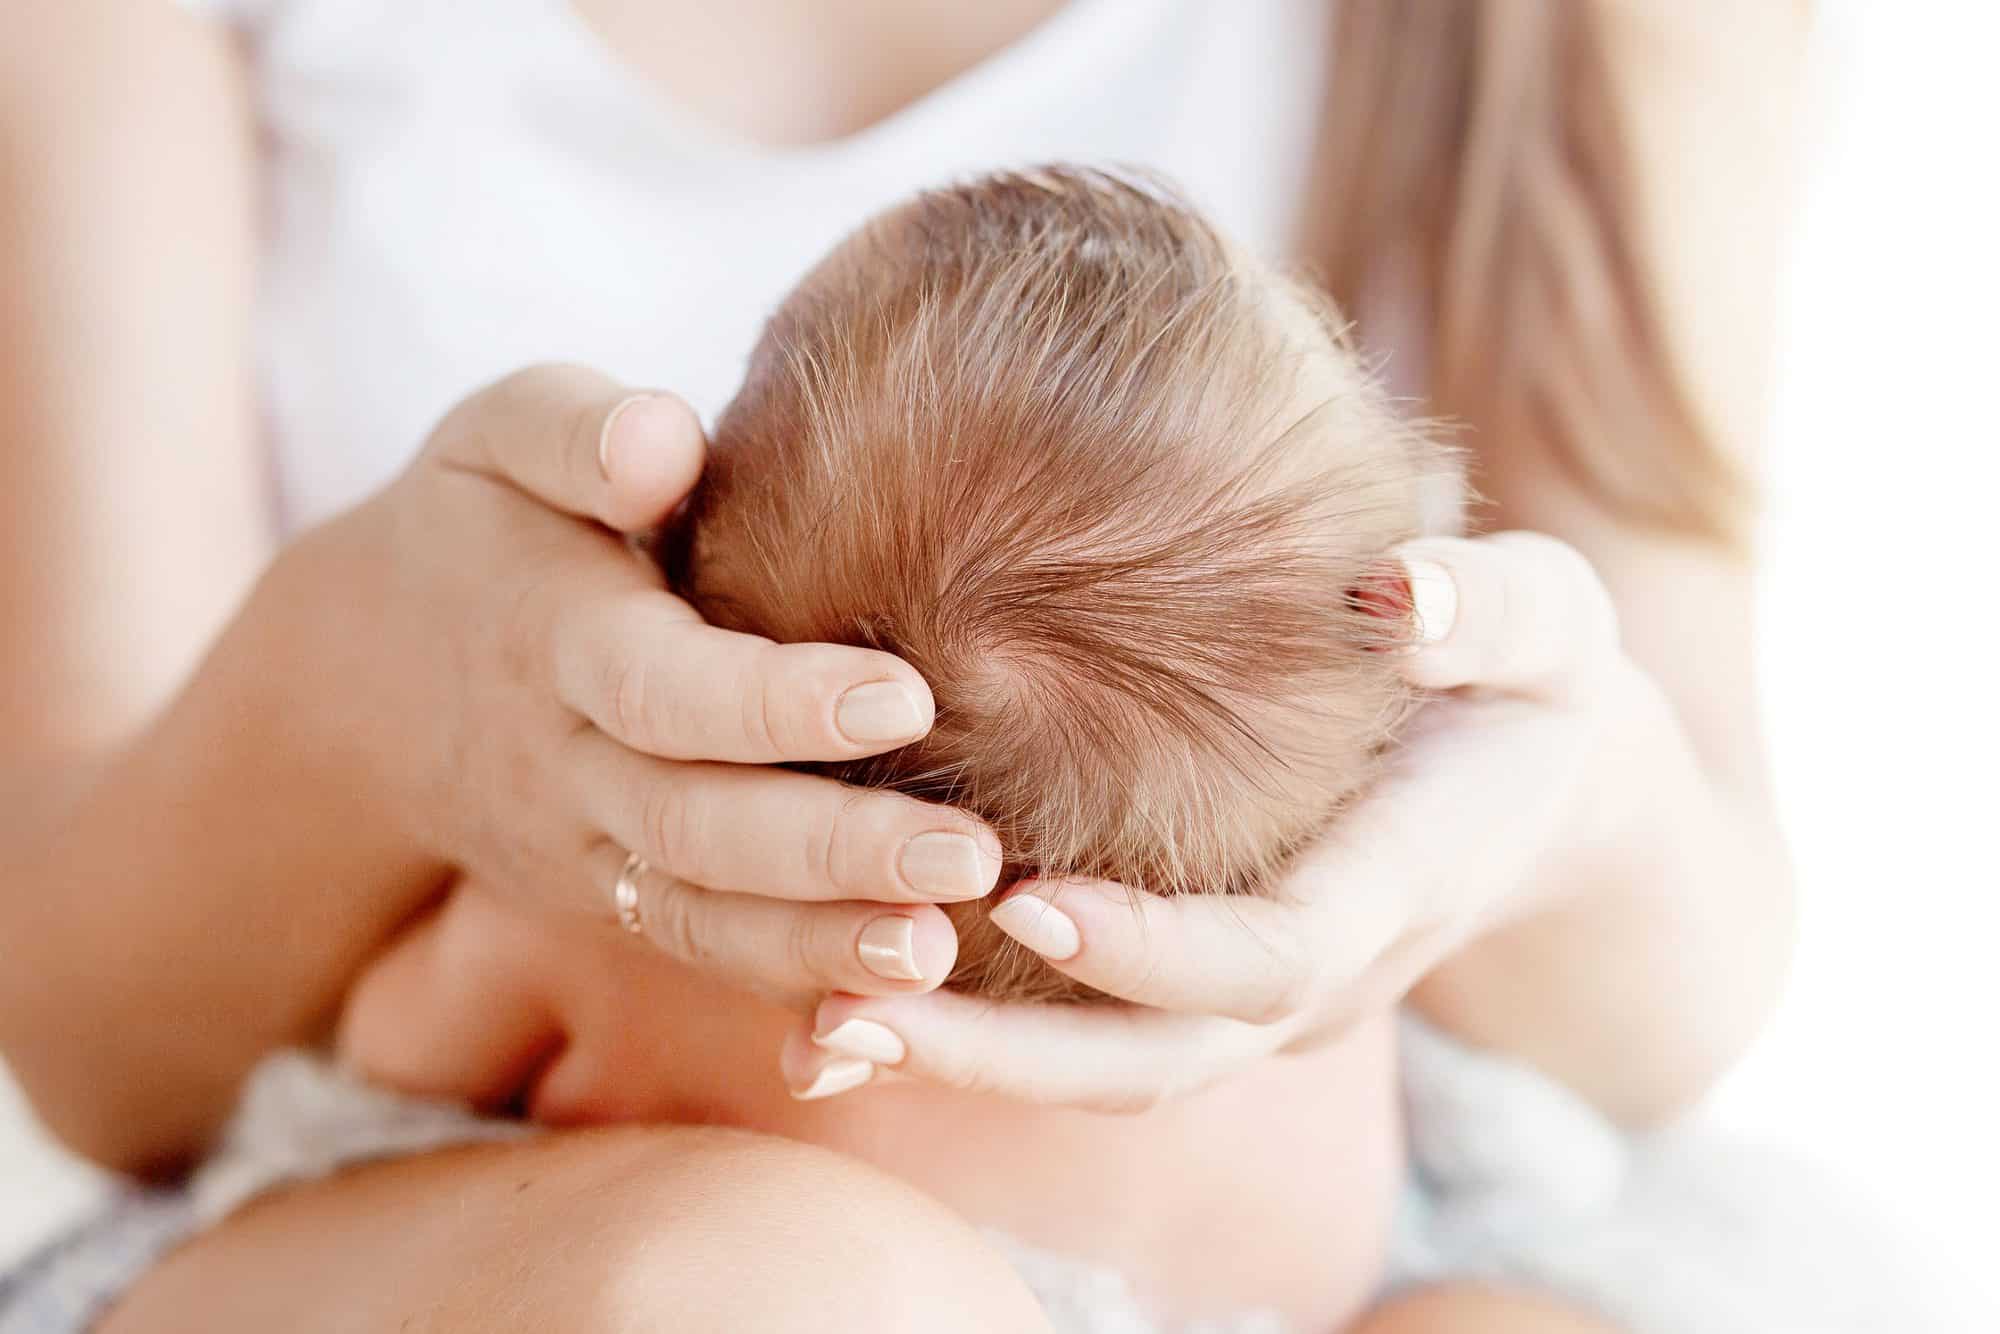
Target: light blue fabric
{"type": "Point", "coordinates": [67, 1284]}
{"type": "Point", "coordinates": [1679, 1232]}
{"type": "Point", "coordinates": [1512, 1177]}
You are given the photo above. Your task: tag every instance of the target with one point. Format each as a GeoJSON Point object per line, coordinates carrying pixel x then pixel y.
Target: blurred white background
{"type": "Point", "coordinates": [1879, 658]}
{"type": "Point", "coordinates": [1879, 638]}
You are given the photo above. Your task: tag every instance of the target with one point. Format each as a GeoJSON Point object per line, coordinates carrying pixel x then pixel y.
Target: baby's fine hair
{"type": "Point", "coordinates": [1117, 491]}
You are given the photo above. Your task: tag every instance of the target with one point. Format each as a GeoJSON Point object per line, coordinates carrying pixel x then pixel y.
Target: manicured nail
{"type": "Point", "coordinates": [947, 866]}
{"type": "Point", "coordinates": [888, 949]}
{"type": "Point", "coordinates": [836, 1077]}
{"type": "Point", "coordinates": [879, 711]}
{"type": "Point", "coordinates": [604, 445]}
{"type": "Point", "coordinates": [1433, 599]}
{"type": "Point", "coordinates": [1039, 925]}
{"type": "Point", "coordinates": [864, 1040]}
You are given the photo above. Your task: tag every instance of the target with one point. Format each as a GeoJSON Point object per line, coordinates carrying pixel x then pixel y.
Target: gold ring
{"type": "Point", "coordinates": [625, 894]}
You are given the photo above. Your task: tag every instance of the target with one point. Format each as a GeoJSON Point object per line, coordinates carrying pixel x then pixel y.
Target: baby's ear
{"type": "Point", "coordinates": [1386, 602]}
{"type": "Point", "coordinates": [1384, 592]}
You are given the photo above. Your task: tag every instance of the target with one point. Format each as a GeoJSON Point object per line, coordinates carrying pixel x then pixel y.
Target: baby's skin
{"type": "Point", "coordinates": [1271, 1191]}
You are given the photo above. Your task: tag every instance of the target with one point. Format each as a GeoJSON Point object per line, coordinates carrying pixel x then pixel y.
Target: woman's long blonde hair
{"type": "Point", "coordinates": [1476, 145]}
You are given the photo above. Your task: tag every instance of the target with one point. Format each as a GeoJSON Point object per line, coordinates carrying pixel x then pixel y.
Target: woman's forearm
{"type": "Point", "coordinates": [200, 896]}
{"type": "Point", "coordinates": [1661, 937]}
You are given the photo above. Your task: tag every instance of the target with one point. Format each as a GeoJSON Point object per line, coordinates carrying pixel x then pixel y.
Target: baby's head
{"type": "Point", "coordinates": [1117, 491]}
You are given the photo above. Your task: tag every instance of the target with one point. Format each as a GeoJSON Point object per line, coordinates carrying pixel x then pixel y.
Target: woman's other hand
{"type": "Point", "coordinates": [541, 706]}
{"type": "Point", "coordinates": [1536, 749]}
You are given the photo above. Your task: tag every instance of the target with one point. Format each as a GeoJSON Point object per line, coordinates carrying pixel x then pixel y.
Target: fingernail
{"type": "Point", "coordinates": [1039, 925]}
{"type": "Point", "coordinates": [947, 866]}
{"type": "Point", "coordinates": [604, 445]}
{"type": "Point", "coordinates": [836, 1077]}
{"type": "Point", "coordinates": [879, 711]}
{"type": "Point", "coordinates": [888, 949]}
{"type": "Point", "coordinates": [1433, 599]}
{"type": "Point", "coordinates": [864, 1040]}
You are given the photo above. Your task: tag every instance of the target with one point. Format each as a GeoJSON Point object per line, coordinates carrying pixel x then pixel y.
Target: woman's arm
{"type": "Point", "coordinates": [132, 522]}
{"type": "Point", "coordinates": [470, 670]}
{"type": "Point", "coordinates": [132, 503]}
{"type": "Point", "coordinates": [1662, 955]}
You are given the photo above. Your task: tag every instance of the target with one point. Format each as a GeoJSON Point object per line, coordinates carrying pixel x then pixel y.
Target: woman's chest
{"type": "Point", "coordinates": [450, 200]}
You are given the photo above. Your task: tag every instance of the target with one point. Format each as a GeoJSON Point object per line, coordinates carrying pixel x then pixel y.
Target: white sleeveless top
{"type": "Point", "coordinates": [450, 199]}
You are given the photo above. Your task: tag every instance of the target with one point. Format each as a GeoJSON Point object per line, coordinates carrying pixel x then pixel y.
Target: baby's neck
{"type": "Point", "coordinates": [1295, 1163]}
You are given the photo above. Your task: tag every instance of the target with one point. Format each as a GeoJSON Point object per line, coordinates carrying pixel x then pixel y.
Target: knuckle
{"type": "Point", "coordinates": [453, 439]}
{"type": "Point", "coordinates": [761, 703]}
{"type": "Point", "coordinates": [1135, 976]}
{"type": "Point", "coordinates": [673, 824]}
{"type": "Point", "coordinates": [1286, 1000]}
{"type": "Point", "coordinates": [541, 379]}
{"type": "Point", "coordinates": [463, 434]}
{"type": "Point", "coordinates": [1291, 989]}
{"type": "Point", "coordinates": [670, 920]}
{"type": "Point", "coordinates": [792, 681]}
{"type": "Point", "coordinates": [527, 637]}
{"type": "Point", "coordinates": [843, 830]}
{"type": "Point", "coordinates": [967, 1064]}
{"type": "Point", "coordinates": [807, 949]}
{"type": "Point", "coordinates": [629, 701]}
{"type": "Point", "coordinates": [969, 1076]}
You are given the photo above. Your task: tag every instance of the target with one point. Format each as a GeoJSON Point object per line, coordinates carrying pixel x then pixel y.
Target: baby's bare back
{"type": "Point", "coordinates": [1273, 1190]}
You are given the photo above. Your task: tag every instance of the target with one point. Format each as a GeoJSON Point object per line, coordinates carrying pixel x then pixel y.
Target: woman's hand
{"type": "Point", "coordinates": [1506, 772]}
{"type": "Point", "coordinates": [543, 706]}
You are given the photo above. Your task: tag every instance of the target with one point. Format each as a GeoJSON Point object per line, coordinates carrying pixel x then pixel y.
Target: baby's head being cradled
{"type": "Point", "coordinates": [1118, 492]}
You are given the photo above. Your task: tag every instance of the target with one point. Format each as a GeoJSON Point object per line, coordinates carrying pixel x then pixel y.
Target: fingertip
{"type": "Point", "coordinates": [1033, 920]}
{"type": "Point", "coordinates": [1431, 601]}
{"type": "Point", "coordinates": [1085, 898]}
{"type": "Point", "coordinates": [862, 1039]}
{"type": "Point", "coordinates": [906, 952]}
{"type": "Point", "coordinates": [834, 1010]}
{"type": "Point", "coordinates": [951, 865]}
{"type": "Point", "coordinates": [936, 945]}
{"type": "Point", "coordinates": [812, 1073]}
{"type": "Point", "coordinates": [882, 714]}
{"type": "Point", "coordinates": [650, 451]}
{"type": "Point", "coordinates": [883, 1030]}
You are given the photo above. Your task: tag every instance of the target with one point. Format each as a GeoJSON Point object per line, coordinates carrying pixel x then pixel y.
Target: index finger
{"type": "Point", "coordinates": [1254, 959]}
{"type": "Point", "coordinates": [578, 442]}
{"type": "Point", "coordinates": [644, 668]}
